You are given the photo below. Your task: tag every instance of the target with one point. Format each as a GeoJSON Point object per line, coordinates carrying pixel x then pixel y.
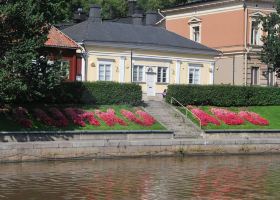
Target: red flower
{"type": "Point", "coordinates": [148, 120]}
{"type": "Point", "coordinates": [74, 116]}
{"type": "Point", "coordinates": [253, 118]}
{"type": "Point", "coordinates": [204, 117]}
{"type": "Point", "coordinates": [60, 119]}
{"type": "Point", "coordinates": [43, 117]}
{"type": "Point", "coordinates": [110, 117]}
{"type": "Point", "coordinates": [21, 116]}
{"type": "Point", "coordinates": [144, 120]}
{"type": "Point", "coordinates": [228, 117]}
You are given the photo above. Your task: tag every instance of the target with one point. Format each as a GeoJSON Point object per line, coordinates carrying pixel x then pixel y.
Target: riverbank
{"type": "Point", "coordinates": [18, 147]}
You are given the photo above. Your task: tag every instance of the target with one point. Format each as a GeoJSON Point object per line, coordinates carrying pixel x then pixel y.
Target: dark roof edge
{"type": "Point", "coordinates": [194, 51]}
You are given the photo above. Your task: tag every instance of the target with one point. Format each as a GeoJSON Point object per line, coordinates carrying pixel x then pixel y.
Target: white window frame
{"type": "Point", "coordinates": [138, 74]}
{"type": "Point", "coordinates": [270, 75]}
{"type": "Point", "coordinates": [255, 39]}
{"type": "Point", "coordinates": [161, 78]}
{"type": "Point", "coordinates": [194, 67]}
{"type": "Point", "coordinates": [67, 76]}
{"type": "Point", "coordinates": [111, 70]}
{"type": "Point", "coordinates": [252, 76]}
{"type": "Point", "coordinates": [192, 26]}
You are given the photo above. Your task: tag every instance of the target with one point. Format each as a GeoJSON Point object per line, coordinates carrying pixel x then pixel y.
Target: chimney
{"type": "Point", "coordinates": [137, 19]}
{"type": "Point", "coordinates": [95, 13]}
{"type": "Point", "coordinates": [151, 18]}
{"type": "Point", "coordinates": [131, 7]}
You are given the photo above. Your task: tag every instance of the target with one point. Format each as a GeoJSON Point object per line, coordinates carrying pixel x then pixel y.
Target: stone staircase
{"type": "Point", "coordinates": [172, 119]}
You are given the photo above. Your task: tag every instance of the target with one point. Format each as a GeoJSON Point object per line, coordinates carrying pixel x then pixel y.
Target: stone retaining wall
{"type": "Point", "coordinates": [86, 145]}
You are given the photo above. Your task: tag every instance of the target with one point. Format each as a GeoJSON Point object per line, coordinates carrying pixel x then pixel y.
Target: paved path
{"type": "Point", "coordinates": [172, 119]}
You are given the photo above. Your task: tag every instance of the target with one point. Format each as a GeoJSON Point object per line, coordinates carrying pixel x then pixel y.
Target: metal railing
{"type": "Point", "coordinates": [188, 112]}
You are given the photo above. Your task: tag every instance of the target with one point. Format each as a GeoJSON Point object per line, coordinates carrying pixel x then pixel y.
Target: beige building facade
{"type": "Point", "coordinates": [153, 70]}
{"type": "Point", "coordinates": [229, 26]}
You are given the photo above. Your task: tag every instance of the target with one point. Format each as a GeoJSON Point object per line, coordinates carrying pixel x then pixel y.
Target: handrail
{"type": "Point", "coordinates": [187, 110]}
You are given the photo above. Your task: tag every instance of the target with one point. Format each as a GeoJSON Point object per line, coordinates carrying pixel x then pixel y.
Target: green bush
{"type": "Point", "coordinates": [100, 93]}
{"type": "Point", "coordinates": [224, 95]}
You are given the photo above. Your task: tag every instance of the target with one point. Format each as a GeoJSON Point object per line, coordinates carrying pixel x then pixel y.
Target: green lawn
{"type": "Point", "coordinates": [271, 113]}
{"type": "Point", "coordinates": [8, 124]}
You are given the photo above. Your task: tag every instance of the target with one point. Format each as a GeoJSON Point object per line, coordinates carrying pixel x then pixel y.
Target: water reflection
{"type": "Point", "coordinates": [234, 177]}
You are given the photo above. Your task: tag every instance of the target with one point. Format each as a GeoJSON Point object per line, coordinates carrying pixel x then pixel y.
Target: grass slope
{"type": "Point", "coordinates": [8, 124]}
{"type": "Point", "coordinates": [271, 113]}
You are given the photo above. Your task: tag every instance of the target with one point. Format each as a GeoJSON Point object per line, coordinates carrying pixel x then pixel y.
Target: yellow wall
{"type": "Point", "coordinates": [146, 58]}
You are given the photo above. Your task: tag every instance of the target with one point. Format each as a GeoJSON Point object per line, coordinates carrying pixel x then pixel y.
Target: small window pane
{"type": "Point", "coordinates": [101, 72]}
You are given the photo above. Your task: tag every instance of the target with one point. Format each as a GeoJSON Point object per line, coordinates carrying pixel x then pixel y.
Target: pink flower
{"type": "Point", "coordinates": [228, 117]}
{"type": "Point", "coordinates": [147, 119]}
{"type": "Point", "coordinates": [204, 117]}
{"type": "Point", "coordinates": [74, 116]}
{"type": "Point", "coordinates": [253, 118]}
{"type": "Point", "coordinates": [110, 117]}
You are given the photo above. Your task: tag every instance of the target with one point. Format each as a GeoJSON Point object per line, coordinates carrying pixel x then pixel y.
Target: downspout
{"type": "Point", "coordinates": [233, 70]}
{"type": "Point", "coordinates": [245, 40]}
{"type": "Point", "coordinates": [131, 65]}
{"type": "Point", "coordinates": [84, 57]}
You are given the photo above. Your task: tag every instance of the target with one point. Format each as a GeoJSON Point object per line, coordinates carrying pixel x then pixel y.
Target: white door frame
{"type": "Point", "coordinates": [153, 87]}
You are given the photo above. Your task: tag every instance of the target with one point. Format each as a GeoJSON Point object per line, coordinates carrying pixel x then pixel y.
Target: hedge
{"type": "Point", "coordinates": [224, 95]}
{"type": "Point", "coordinates": [99, 93]}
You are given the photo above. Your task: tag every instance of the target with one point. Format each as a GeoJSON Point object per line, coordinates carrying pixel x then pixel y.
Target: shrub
{"type": "Point", "coordinates": [224, 95]}
{"type": "Point", "coordinates": [100, 93]}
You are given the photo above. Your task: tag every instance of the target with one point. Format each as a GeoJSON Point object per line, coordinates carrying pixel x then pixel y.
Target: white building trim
{"type": "Point", "coordinates": [122, 69]}
{"type": "Point", "coordinates": [178, 69]}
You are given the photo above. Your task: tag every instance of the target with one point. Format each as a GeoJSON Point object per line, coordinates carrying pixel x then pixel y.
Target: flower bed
{"type": "Point", "coordinates": [228, 117]}
{"type": "Point", "coordinates": [253, 118]}
{"type": "Point", "coordinates": [75, 118]}
{"type": "Point", "coordinates": [21, 116]}
{"type": "Point", "coordinates": [144, 120]}
{"type": "Point", "coordinates": [110, 117]}
{"type": "Point", "coordinates": [204, 117]}
{"type": "Point", "coordinates": [60, 119]}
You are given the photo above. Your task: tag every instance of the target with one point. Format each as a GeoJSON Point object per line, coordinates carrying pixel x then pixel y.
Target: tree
{"type": "Point", "coordinates": [159, 4]}
{"type": "Point", "coordinates": [110, 8]}
{"type": "Point", "coordinates": [270, 53]}
{"type": "Point", "coordinates": [24, 26]}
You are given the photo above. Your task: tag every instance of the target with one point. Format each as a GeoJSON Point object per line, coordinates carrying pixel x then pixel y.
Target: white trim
{"type": "Point", "coordinates": [192, 31]}
{"type": "Point", "coordinates": [259, 32]}
{"type": "Point", "coordinates": [161, 78]}
{"type": "Point", "coordinates": [211, 71]}
{"type": "Point", "coordinates": [196, 13]}
{"type": "Point", "coordinates": [83, 69]}
{"type": "Point", "coordinates": [191, 66]}
{"type": "Point", "coordinates": [111, 69]}
{"type": "Point", "coordinates": [178, 69]}
{"type": "Point", "coordinates": [122, 69]}
{"type": "Point", "coordinates": [194, 20]}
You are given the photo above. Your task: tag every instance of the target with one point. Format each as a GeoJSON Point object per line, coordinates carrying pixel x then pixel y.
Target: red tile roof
{"type": "Point", "coordinates": [58, 39]}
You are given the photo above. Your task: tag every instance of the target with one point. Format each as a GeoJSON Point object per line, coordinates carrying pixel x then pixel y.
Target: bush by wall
{"type": "Point", "coordinates": [100, 93]}
{"type": "Point", "coordinates": [223, 95]}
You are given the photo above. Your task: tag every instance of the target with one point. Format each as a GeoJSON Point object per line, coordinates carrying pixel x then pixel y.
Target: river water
{"type": "Point", "coordinates": [215, 177]}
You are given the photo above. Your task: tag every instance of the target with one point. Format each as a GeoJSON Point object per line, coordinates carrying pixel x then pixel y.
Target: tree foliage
{"type": "Point", "coordinates": [24, 70]}
{"type": "Point", "coordinates": [270, 53]}
{"type": "Point", "coordinates": [119, 8]}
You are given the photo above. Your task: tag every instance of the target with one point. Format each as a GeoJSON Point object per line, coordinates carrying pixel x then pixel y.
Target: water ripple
{"type": "Point", "coordinates": [234, 177]}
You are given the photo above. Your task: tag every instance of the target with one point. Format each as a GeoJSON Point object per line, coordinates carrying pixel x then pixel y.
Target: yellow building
{"type": "Point", "coordinates": [144, 54]}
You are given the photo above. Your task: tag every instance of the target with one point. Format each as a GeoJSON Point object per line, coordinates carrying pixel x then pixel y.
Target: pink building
{"type": "Point", "coordinates": [229, 26]}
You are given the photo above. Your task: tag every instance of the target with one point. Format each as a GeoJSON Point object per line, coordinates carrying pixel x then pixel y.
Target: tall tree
{"type": "Point", "coordinates": [24, 26]}
{"type": "Point", "coordinates": [270, 53]}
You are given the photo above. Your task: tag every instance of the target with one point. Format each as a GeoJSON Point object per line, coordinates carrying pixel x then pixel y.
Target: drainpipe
{"type": "Point", "coordinates": [84, 63]}
{"type": "Point", "coordinates": [245, 40]}
{"type": "Point", "coordinates": [233, 70]}
{"type": "Point", "coordinates": [131, 65]}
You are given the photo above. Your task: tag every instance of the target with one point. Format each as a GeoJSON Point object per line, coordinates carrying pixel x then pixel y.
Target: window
{"type": "Point", "coordinates": [65, 68]}
{"type": "Point", "coordinates": [254, 75]}
{"type": "Point", "coordinates": [270, 77]}
{"type": "Point", "coordinates": [194, 74]}
{"type": "Point", "coordinates": [138, 73]}
{"type": "Point", "coordinates": [196, 33]}
{"type": "Point", "coordinates": [162, 74]}
{"type": "Point", "coordinates": [105, 72]}
{"type": "Point", "coordinates": [255, 33]}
